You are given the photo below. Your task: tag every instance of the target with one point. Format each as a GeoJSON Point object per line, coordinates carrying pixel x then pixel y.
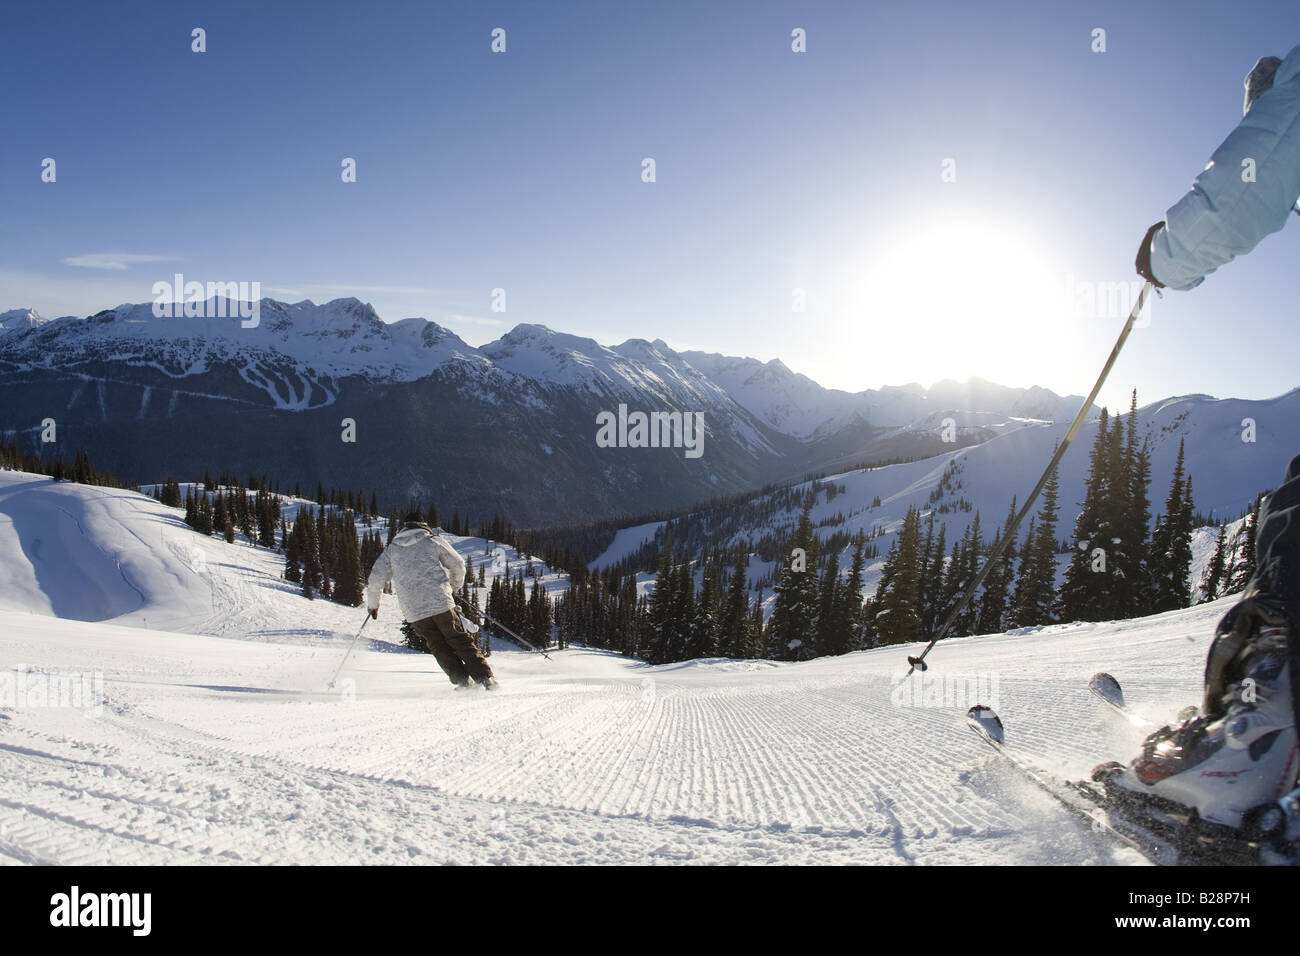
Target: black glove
{"type": "Point", "coordinates": [1143, 262]}
{"type": "Point", "coordinates": [374, 613]}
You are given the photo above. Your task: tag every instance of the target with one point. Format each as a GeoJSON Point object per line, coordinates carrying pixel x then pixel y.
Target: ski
{"type": "Point", "coordinates": [1108, 690]}
{"type": "Point", "coordinates": [1078, 799]}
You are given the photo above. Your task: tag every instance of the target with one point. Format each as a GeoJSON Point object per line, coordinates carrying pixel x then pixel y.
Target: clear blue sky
{"type": "Point", "coordinates": [775, 171]}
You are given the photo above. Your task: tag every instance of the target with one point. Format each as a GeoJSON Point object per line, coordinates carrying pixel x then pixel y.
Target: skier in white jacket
{"type": "Point", "coordinates": [426, 572]}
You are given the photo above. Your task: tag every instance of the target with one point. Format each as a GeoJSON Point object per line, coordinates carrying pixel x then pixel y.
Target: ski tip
{"type": "Point", "coordinates": [985, 722]}
{"type": "Point", "coordinates": [1107, 688]}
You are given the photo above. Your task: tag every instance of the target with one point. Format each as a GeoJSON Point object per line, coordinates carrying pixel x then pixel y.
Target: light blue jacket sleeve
{"type": "Point", "coordinates": [1225, 215]}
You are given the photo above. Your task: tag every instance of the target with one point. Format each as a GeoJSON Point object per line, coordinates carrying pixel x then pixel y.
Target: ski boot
{"type": "Point", "coordinates": [1223, 775]}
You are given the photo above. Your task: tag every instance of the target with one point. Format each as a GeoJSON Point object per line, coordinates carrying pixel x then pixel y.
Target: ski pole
{"type": "Point", "coordinates": [349, 653]}
{"type": "Point", "coordinates": [495, 623]}
{"type": "Point", "coordinates": [996, 553]}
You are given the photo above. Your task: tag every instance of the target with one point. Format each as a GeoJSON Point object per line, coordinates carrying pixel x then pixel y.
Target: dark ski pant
{"type": "Point", "coordinates": [1271, 598]}
{"type": "Point", "coordinates": [457, 652]}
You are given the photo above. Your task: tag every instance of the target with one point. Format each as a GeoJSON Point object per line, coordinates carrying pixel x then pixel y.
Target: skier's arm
{"type": "Point", "coordinates": [453, 562]}
{"type": "Point", "coordinates": [380, 575]}
{"type": "Point", "coordinates": [1225, 215]}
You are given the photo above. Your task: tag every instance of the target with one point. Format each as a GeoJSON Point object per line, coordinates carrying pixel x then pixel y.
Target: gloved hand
{"type": "Point", "coordinates": [374, 613]}
{"type": "Point", "coordinates": [1143, 262]}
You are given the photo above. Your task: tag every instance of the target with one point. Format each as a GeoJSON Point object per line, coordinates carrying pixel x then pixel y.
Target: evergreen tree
{"type": "Point", "coordinates": [1087, 593]}
{"type": "Point", "coordinates": [832, 632]}
{"type": "Point", "coordinates": [293, 555]}
{"type": "Point", "coordinates": [853, 599]}
{"type": "Point", "coordinates": [1243, 566]}
{"type": "Point", "coordinates": [348, 589]}
{"type": "Point", "coordinates": [220, 512]}
{"type": "Point", "coordinates": [994, 600]}
{"type": "Point", "coordinates": [733, 627]}
{"type": "Point", "coordinates": [758, 649]}
{"type": "Point", "coordinates": [897, 619]}
{"type": "Point", "coordinates": [965, 570]}
{"type": "Point", "coordinates": [702, 640]}
{"type": "Point", "coordinates": [1215, 572]}
{"type": "Point", "coordinates": [312, 573]}
{"type": "Point", "coordinates": [1171, 544]}
{"type": "Point", "coordinates": [1035, 592]}
{"type": "Point", "coordinates": [204, 522]}
{"type": "Point", "coordinates": [1133, 553]}
{"type": "Point", "coordinates": [794, 612]}
{"type": "Point", "coordinates": [934, 581]}
{"type": "Point", "coordinates": [539, 616]}
{"type": "Point", "coordinates": [171, 493]}
{"type": "Point", "coordinates": [660, 623]}
{"type": "Point", "coordinates": [683, 613]}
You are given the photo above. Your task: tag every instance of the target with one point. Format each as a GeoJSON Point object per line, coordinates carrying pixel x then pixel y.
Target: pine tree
{"type": "Point", "coordinates": [967, 567]}
{"type": "Point", "coordinates": [204, 519]}
{"type": "Point", "coordinates": [794, 612]}
{"type": "Point", "coordinates": [660, 623]}
{"type": "Point", "coordinates": [1213, 578]}
{"type": "Point", "coordinates": [293, 555]}
{"type": "Point", "coordinates": [758, 649]}
{"type": "Point", "coordinates": [853, 598]}
{"type": "Point", "coordinates": [934, 582]}
{"type": "Point", "coordinates": [1035, 593]}
{"type": "Point", "coordinates": [1171, 544]}
{"type": "Point", "coordinates": [683, 613]}
{"type": "Point", "coordinates": [897, 619]}
{"type": "Point", "coordinates": [312, 573]}
{"type": "Point", "coordinates": [831, 634]}
{"type": "Point", "coordinates": [1243, 567]}
{"type": "Point", "coordinates": [993, 602]}
{"type": "Point", "coordinates": [348, 589]}
{"type": "Point", "coordinates": [733, 627]}
{"type": "Point", "coordinates": [220, 512]}
{"type": "Point", "coordinates": [1087, 593]}
{"type": "Point", "coordinates": [1129, 557]}
{"type": "Point", "coordinates": [702, 640]}
{"type": "Point", "coordinates": [539, 616]}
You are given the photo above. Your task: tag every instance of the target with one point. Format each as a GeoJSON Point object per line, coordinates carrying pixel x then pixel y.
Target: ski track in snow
{"type": "Point", "coordinates": [222, 745]}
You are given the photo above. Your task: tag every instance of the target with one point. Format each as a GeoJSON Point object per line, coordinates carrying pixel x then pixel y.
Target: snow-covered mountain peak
{"type": "Point", "coordinates": [17, 320]}
{"type": "Point", "coordinates": [558, 358]}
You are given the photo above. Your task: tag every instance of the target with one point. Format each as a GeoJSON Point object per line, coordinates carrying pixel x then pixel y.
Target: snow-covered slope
{"type": "Point", "coordinates": [112, 555]}
{"type": "Point", "coordinates": [211, 749]}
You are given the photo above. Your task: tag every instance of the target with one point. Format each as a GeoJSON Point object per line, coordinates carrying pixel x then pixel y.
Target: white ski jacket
{"type": "Point", "coordinates": [1246, 192]}
{"type": "Point", "coordinates": [425, 572]}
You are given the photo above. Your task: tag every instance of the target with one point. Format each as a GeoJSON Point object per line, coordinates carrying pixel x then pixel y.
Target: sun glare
{"type": "Point", "coordinates": [955, 300]}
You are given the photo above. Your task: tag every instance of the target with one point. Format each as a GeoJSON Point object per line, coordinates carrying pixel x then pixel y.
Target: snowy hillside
{"type": "Point", "coordinates": [1227, 474]}
{"type": "Point", "coordinates": [105, 554]}
{"type": "Point", "coordinates": [222, 744]}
